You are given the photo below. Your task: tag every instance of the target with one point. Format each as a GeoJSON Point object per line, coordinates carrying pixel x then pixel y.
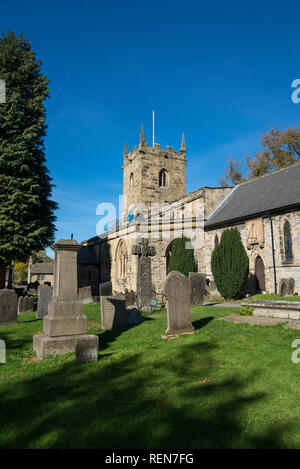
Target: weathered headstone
{"type": "Point", "coordinates": [177, 290]}
{"type": "Point", "coordinates": [291, 287]}
{"type": "Point", "coordinates": [105, 289]}
{"type": "Point", "coordinates": [86, 351]}
{"type": "Point", "coordinates": [8, 307]}
{"type": "Point", "coordinates": [130, 298]}
{"type": "Point", "coordinates": [65, 322]}
{"type": "Point", "coordinates": [2, 351]}
{"type": "Point", "coordinates": [144, 289]}
{"type": "Point", "coordinates": [198, 284]}
{"type": "Point", "coordinates": [283, 287]}
{"type": "Point", "coordinates": [28, 305]}
{"type": "Point", "coordinates": [21, 304]}
{"type": "Point", "coordinates": [44, 299]}
{"type": "Point", "coordinates": [85, 294]}
{"type": "Point", "coordinates": [113, 312]}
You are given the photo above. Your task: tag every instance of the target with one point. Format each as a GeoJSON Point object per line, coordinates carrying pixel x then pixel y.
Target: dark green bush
{"type": "Point", "coordinates": [230, 264]}
{"type": "Point", "coordinates": [182, 259]}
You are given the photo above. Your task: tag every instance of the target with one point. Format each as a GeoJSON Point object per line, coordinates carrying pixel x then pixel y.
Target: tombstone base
{"type": "Point", "coordinates": [55, 327]}
{"type": "Point", "coordinates": [176, 335]}
{"type": "Point", "coordinates": [44, 345]}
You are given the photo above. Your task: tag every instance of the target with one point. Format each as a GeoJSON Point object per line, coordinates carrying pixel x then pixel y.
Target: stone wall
{"type": "Point", "coordinates": [264, 249]}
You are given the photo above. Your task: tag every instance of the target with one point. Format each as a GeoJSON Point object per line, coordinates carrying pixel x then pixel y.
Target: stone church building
{"type": "Point", "coordinates": [156, 210]}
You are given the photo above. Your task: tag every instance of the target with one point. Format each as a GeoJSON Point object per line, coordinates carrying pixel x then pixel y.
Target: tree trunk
{"type": "Point", "coordinates": [2, 274]}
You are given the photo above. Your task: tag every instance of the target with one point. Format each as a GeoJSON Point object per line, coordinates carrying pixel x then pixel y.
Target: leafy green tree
{"type": "Point", "coordinates": [182, 259]}
{"type": "Point", "coordinates": [279, 149]}
{"type": "Point", "coordinates": [26, 209]}
{"type": "Point", "coordinates": [230, 264]}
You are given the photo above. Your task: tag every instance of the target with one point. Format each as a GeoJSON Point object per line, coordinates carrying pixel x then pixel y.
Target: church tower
{"type": "Point", "coordinates": [153, 174]}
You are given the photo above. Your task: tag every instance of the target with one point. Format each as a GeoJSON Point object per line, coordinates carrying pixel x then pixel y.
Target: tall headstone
{"type": "Point", "coordinates": [144, 278]}
{"type": "Point", "coordinates": [8, 307]}
{"type": "Point", "coordinates": [21, 304]}
{"type": "Point", "coordinates": [44, 299]}
{"type": "Point", "coordinates": [291, 287]}
{"type": "Point", "coordinates": [283, 287]}
{"type": "Point", "coordinates": [198, 284]}
{"type": "Point", "coordinates": [113, 312]}
{"type": "Point", "coordinates": [65, 323]}
{"type": "Point", "coordinates": [177, 290]}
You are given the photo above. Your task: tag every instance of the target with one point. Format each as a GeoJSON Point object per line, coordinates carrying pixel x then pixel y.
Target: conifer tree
{"type": "Point", "coordinates": [230, 264]}
{"type": "Point", "coordinates": [26, 209]}
{"type": "Point", "coordinates": [182, 259]}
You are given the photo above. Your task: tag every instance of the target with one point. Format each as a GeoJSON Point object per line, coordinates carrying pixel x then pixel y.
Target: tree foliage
{"type": "Point", "coordinates": [280, 149]}
{"type": "Point", "coordinates": [26, 209]}
{"type": "Point", "coordinates": [230, 264]}
{"type": "Point", "coordinates": [182, 259]}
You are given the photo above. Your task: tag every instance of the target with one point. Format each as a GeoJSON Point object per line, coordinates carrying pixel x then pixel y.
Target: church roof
{"type": "Point", "coordinates": [272, 192]}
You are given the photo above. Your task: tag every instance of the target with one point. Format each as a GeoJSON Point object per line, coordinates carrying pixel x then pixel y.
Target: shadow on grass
{"type": "Point", "coordinates": [202, 322]}
{"type": "Point", "coordinates": [106, 337]}
{"type": "Point", "coordinates": [132, 403]}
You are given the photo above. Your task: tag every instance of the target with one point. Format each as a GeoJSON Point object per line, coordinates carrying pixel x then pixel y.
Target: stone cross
{"type": "Point", "coordinates": [144, 278]}
{"type": "Point", "coordinates": [177, 290]}
{"type": "Point", "coordinates": [65, 323]}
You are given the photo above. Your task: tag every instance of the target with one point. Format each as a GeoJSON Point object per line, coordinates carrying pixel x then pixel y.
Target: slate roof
{"type": "Point", "coordinates": [272, 192]}
{"type": "Point", "coordinates": [42, 268]}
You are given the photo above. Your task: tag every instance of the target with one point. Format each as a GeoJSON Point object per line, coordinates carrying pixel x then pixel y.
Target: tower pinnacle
{"type": "Point", "coordinates": [183, 145]}
{"type": "Point", "coordinates": [142, 138]}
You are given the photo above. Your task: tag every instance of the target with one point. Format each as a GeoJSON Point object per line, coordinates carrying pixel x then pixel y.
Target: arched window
{"type": "Point", "coordinates": [288, 242]}
{"type": "Point", "coordinates": [121, 258]}
{"type": "Point", "coordinates": [162, 178]}
{"type": "Point", "coordinates": [131, 181]}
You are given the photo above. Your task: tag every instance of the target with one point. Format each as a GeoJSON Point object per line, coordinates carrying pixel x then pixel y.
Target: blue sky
{"type": "Point", "coordinates": [220, 72]}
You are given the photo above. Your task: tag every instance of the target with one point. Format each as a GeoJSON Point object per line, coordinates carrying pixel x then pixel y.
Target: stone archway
{"type": "Point", "coordinates": [121, 259]}
{"type": "Point", "coordinates": [169, 253]}
{"type": "Point", "coordinates": [260, 275]}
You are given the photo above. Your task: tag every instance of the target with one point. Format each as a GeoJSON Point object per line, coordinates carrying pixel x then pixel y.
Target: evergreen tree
{"type": "Point", "coordinates": [182, 259]}
{"type": "Point", "coordinates": [26, 209]}
{"type": "Point", "coordinates": [230, 264]}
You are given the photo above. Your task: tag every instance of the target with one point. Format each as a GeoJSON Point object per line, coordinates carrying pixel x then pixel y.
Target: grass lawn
{"type": "Point", "coordinates": [272, 296]}
{"type": "Point", "coordinates": [227, 386]}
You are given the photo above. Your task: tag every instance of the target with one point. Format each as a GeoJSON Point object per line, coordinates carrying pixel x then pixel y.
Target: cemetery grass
{"type": "Point", "coordinates": [227, 386]}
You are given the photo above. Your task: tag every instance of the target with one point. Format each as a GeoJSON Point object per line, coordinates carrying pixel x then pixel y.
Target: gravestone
{"type": "Point", "coordinates": [21, 304]}
{"type": "Point", "coordinates": [113, 312]}
{"type": "Point", "coordinates": [105, 289]}
{"type": "Point", "coordinates": [8, 307]}
{"type": "Point", "coordinates": [44, 299]}
{"type": "Point", "coordinates": [198, 285]}
{"type": "Point", "coordinates": [283, 287]}
{"type": "Point", "coordinates": [144, 278]}
{"type": "Point", "coordinates": [130, 298]}
{"type": "Point", "coordinates": [86, 351]}
{"type": "Point", "coordinates": [291, 287]}
{"type": "Point", "coordinates": [28, 305]}
{"type": "Point", "coordinates": [2, 351]}
{"type": "Point", "coordinates": [65, 322]}
{"type": "Point", "coordinates": [177, 290]}
{"type": "Point", "coordinates": [85, 294]}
